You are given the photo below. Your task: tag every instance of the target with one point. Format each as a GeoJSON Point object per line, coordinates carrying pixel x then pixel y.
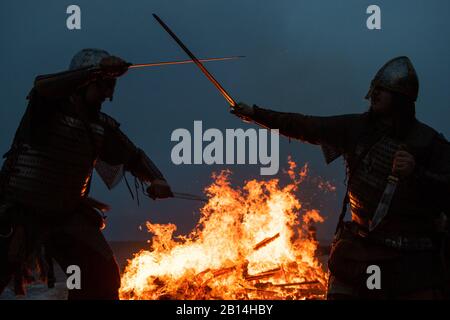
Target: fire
{"type": "Point", "coordinates": [250, 243]}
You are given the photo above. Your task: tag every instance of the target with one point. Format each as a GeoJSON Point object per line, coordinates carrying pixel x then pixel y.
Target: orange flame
{"type": "Point", "coordinates": [250, 243]}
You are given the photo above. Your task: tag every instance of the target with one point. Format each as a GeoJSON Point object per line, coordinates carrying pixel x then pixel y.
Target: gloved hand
{"type": "Point", "coordinates": [113, 66]}
{"type": "Point", "coordinates": [403, 164]}
{"type": "Point", "coordinates": [243, 111]}
{"type": "Point", "coordinates": [159, 189]}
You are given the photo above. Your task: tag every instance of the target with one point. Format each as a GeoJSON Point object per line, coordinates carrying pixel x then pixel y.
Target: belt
{"type": "Point", "coordinates": [395, 241]}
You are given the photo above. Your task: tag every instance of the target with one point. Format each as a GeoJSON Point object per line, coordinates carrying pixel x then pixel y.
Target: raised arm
{"type": "Point", "coordinates": [63, 84]}
{"type": "Point", "coordinates": [337, 132]}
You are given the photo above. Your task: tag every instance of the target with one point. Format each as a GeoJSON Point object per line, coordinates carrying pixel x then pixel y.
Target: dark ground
{"type": "Point", "coordinates": [123, 250]}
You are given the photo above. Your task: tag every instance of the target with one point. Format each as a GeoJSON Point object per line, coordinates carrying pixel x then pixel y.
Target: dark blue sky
{"type": "Point", "coordinates": [315, 57]}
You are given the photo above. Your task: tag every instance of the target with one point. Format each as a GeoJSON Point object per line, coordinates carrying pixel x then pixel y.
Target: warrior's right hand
{"type": "Point", "coordinates": [243, 111]}
{"type": "Point", "coordinates": [159, 189]}
{"type": "Point", "coordinates": [113, 66]}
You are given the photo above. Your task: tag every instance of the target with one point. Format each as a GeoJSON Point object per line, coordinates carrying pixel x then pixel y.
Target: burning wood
{"type": "Point", "coordinates": [296, 283]}
{"type": "Point", "coordinates": [273, 293]}
{"type": "Point", "coordinates": [262, 275]}
{"type": "Point", "coordinates": [220, 254]}
{"type": "Point", "coordinates": [223, 271]}
{"type": "Point", "coordinates": [265, 242]}
{"type": "Point", "coordinates": [203, 272]}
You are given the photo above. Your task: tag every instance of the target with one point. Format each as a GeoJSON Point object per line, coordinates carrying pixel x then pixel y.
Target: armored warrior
{"type": "Point", "coordinates": [45, 208]}
{"type": "Point", "coordinates": [398, 183]}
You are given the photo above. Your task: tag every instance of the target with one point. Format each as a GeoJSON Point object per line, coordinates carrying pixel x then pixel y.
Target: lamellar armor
{"type": "Point", "coordinates": [49, 166]}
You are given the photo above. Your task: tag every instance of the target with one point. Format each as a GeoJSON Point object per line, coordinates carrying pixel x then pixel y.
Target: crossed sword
{"type": "Point", "coordinates": [167, 63]}
{"type": "Point", "coordinates": [211, 78]}
{"type": "Point", "coordinates": [391, 186]}
{"type": "Point", "coordinates": [198, 62]}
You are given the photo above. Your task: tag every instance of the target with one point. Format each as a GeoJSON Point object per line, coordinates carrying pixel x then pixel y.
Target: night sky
{"type": "Point", "coordinates": [314, 57]}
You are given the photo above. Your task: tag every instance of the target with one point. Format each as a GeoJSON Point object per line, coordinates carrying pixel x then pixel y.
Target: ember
{"type": "Point", "coordinates": [250, 243]}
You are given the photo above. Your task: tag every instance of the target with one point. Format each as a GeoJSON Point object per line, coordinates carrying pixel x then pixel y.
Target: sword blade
{"type": "Point", "coordinates": [167, 63]}
{"type": "Point", "coordinates": [225, 94]}
{"type": "Point", "coordinates": [385, 203]}
{"type": "Point", "coordinates": [188, 196]}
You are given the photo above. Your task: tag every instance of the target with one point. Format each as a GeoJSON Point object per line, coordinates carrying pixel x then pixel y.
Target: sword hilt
{"type": "Point", "coordinates": [393, 179]}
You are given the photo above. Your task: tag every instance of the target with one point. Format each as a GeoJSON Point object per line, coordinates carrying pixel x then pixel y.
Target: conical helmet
{"type": "Point", "coordinates": [87, 57]}
{"type": "Point", "coordinates": [397, 75]}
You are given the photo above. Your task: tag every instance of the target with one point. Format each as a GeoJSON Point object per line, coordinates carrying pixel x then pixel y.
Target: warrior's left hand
{"type": "Point", "coordinates": [404, 164]}
{"type": "Point", "coordinates": [159, 189]}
